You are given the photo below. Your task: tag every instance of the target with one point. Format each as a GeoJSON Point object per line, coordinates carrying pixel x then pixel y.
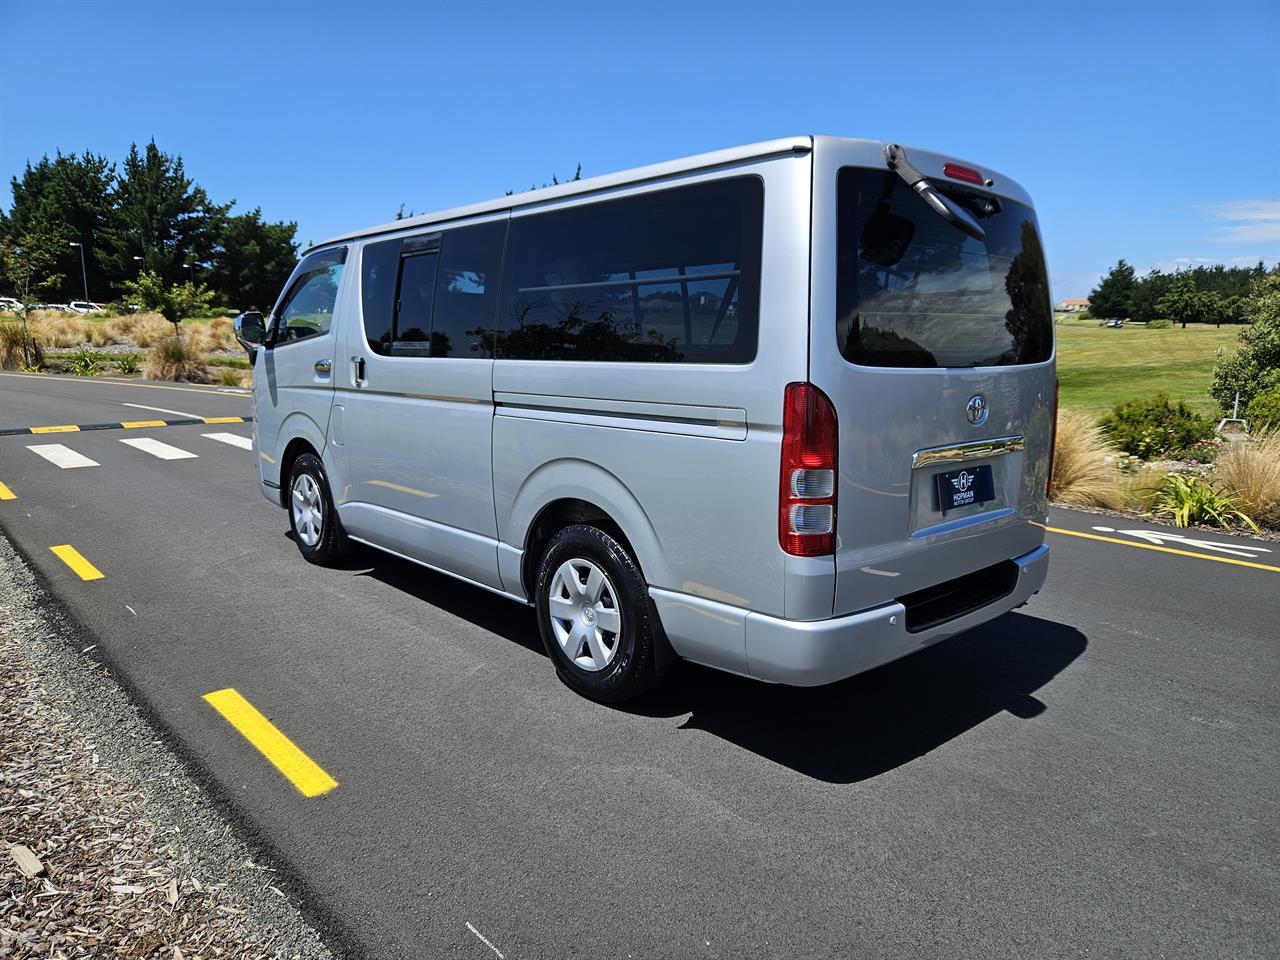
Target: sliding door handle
{"type": "Point", "coordinates": [358, 364]}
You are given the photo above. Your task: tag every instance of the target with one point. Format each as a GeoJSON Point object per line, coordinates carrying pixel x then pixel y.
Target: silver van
{"type": "Point", "coordinates": [785, 409]}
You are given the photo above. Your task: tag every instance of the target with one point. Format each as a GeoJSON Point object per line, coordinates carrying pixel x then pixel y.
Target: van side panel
{"type": "Point", "coordinates": [690, 451]}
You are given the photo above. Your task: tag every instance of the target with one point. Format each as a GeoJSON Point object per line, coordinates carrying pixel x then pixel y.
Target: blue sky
{"type": "Point", "coordinates": [1149, 131]}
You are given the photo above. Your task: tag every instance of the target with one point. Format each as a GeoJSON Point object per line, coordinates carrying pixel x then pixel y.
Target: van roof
{"type": "Point", "coordinates": [655, 171]}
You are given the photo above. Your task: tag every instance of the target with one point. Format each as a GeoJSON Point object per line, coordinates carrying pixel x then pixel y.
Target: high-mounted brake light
{"type": "Point", "coordinates": [807, 485]}
{"type": "Point", "coordinates": [967, 174]}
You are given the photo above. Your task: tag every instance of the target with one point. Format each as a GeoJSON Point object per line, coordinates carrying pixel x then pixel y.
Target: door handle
{"type": "Point", "coordinates": [323, 367]}
{"type": "Point", "coordinates": [358, 363]}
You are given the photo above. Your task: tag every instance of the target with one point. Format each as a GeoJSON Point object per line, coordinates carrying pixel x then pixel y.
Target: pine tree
{"type": "Point", "coordinates": [1112, 299]}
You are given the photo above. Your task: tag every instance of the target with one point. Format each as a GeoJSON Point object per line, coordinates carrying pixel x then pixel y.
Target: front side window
{"type": "Point", "coordinates": [433, 295]}
{"type": "Point", "coordinates": [307, 309]}
{"type": "Point", "coordinates": [671, 276]}
{"type": "Point", "coordinates": [912, 290]}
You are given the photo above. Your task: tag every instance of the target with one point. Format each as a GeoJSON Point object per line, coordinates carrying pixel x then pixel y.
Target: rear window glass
{"type": "Point", "coordinates": [914, 291]}
{"type": "Point", "coordinates": [669, 276]}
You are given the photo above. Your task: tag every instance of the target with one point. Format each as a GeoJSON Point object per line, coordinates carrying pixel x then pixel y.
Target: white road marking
{"type": "Point", "coordinates": [485, 941]}
{"type": "Point", "coordinates": [61, 456]}
{"type": "Point", "coordinates": [1161, 539]}
{"type": "Point", "coordinates": [1105, 529]}
{"type": "Point", "coordinates": [176, 413]}
{"type": "Point", "coordinates": [244, 443]}
{"type": "Point", "coordinates": [131, 610]}
{"type": "Point", "coordinates": [157, 449]}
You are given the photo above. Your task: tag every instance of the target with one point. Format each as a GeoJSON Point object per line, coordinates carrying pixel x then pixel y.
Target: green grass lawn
{"type": "Point", "coordinates": [1099, 367]}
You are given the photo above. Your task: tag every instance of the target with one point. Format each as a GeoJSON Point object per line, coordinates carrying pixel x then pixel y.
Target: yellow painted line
{"type": "Point", "coordinates": [73, 559]}
{"type": "Point", "coordinates": [134, 424]}
{"type": "Point", "coordinates": [224, 419]}
{"type": "Point", "coordinates": [303, 772]}
{"type": "Point", "coordinates": [6, 493]}
{"type": "Point", "coordinates": [65, 428]}
{"type": "Point", "coordinates": [1152, 546]}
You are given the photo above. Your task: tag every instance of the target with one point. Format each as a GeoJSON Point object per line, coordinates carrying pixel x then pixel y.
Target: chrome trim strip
{"type": "Point", "coordinates": [959, 452]}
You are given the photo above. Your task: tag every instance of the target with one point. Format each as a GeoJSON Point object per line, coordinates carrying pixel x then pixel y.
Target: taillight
{"type": "Point", "coordinates": [956, 172]}
{"type": "Point", "coordinates": [1053, 441]}
{"type": "Point", "coordinates": [807, 485]}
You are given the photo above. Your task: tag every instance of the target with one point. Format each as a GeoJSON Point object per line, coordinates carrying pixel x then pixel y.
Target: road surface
{"type": "Point", "coordinates": [1095, 774]}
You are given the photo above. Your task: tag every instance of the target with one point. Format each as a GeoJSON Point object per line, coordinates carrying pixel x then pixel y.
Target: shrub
{"type": "Point", "coordinates": [173, 359]}
{"type": "Point", "coordinates": [12, 354]}
{"type": "Point", "coordinates": [1084, 469]}
{"type": "Point", "coordinates": [1186, 499]}
{"type": "Point", "coordinates": [128, 363]}
{"type": "Point", "coordinates": [1159, 323]}
{"type": "Point", "coordinates": [149, 329]}
{"type": "Point", "coordinates": [57, 330]}
{"type": "Point", "coordinates": [85, 363]}
{"type": "Point", "coordinates": [221, 334]}
{"type": "Point", "coordinates": [1263, 412]}
{"type": "Point", "coordinates": [1250, 471]}
{"type": "Point", "coordinates": [99, 334]}
{"type": "Point", "coordinates": [1155, 427]}
{"type": "Point", "coordinates": [1256, 365]}
{"type": "Point", "coordinates": [229, 377]}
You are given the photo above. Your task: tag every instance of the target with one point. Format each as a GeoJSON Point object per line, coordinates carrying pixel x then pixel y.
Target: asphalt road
{"type": "Point", "coordinates": [1093, 775]}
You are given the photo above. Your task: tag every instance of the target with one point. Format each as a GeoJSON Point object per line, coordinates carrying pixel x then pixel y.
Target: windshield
{"type": "Point", "coordinates": [912, 290]}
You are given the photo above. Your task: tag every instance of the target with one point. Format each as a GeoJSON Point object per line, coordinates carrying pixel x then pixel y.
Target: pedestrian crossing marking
{"type": "Point", "coordinates": [244, 443]}
{"type": "Point", "coordinates": [61, 456]}
{"type": "Point", "coordinates": [157, 449]}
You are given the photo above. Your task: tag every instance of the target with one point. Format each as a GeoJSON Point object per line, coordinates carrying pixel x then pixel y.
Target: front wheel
{"type": "Point", "coordinates": [595, 615]}
{"type": "Point", "coordinates": [312, 516]}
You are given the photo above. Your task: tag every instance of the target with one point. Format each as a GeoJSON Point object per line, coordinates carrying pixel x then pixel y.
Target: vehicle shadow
{"type": "Point", "coordinates": [872, 723]}
{"type": "Point", "coordinates": [842, 733]}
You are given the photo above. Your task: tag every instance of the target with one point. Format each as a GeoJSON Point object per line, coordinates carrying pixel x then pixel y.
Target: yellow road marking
{"type": "Point", "coordinates": [303, 772]}
{"type": "Point", "coordinates": [224, 419]}
{"type": "Point", "coordinates": [134, 424]}
{"type": "Point", "coordinates": [65, 428]}
{"type": "Point", "coordinates": [6, 493]}
{"type": "Point", "coordinates": [73, 559]}
{"type": "Point", "coordinates": [1152, 546]}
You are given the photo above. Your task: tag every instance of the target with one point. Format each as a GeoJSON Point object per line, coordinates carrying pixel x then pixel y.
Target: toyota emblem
{"type": "Point", "coordinates": [976, 410]}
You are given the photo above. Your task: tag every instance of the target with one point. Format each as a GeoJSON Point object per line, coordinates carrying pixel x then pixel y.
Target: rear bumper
{"type": "Point", "coordinates": [809, 653]}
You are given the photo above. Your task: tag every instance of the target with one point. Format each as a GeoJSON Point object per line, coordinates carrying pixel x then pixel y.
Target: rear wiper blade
{"type": "Point", "coordinates": [895, 158]}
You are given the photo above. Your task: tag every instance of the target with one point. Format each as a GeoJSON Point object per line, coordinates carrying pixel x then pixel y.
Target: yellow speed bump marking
{"type": "Point", "coordinates": [303, 772]}
{"type": "Point", "coordinates": [1152, 546]}
{"type": "Point", "coordinates": [73, 559]}
{"type": "Point", "coordinates": [6, 493]}
{"type": "Point", "coordinates": [135, 424]}
{"type": "Point", "coordinates": [224, 419]}
{"type": "Point", "coordinates": [65, 428]}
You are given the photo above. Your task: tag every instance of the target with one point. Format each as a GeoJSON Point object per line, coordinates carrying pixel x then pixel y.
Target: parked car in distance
{"type": "Point", "coordinates": [57, 307]}
{"type": "Point", "coordinates": [84, 306]}
{"type": "Point", "coordinates": [1115, 324]}
{"type": "Point", "coordinates": [785, 410]}
{"type": "Point", "coordinates": [8, 303]}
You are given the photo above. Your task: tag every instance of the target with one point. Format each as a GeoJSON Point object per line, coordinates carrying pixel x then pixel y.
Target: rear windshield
{"type": "Point", "coordinates": [912, 290]}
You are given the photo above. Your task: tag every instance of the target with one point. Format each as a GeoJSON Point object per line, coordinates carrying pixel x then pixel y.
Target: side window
{"type": "Point", "coordinates": [307, 309]}
{"type": "Point", "coordinates": [380, 265]}
{"type": "Point", "coordinates": [671, 276]}
{"type": "Point", "coordinates": [413, 305]}
{"type": "Point", "coordinates": [467, 291]}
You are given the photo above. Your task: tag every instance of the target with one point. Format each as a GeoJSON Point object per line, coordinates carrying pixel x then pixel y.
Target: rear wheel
{"type": "Point", "coordinates": [595, 615]}
{"type": "Point", "coordinates": [312, 516]}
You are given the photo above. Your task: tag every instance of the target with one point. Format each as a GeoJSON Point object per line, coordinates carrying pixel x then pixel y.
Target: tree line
{"type": "Point", "coordinates": [143, 217]}
{"type": "Point", "coordinates": [1205, 294]}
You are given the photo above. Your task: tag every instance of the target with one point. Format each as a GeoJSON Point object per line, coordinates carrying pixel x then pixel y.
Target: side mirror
{"type": "Point", "coordinates": [251, 331]}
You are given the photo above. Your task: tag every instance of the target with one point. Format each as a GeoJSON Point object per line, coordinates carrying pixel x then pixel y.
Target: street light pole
{"type": "Point", "coordinates": [84, 274]}
{"type": "Point", "coordinates": [191, 268]}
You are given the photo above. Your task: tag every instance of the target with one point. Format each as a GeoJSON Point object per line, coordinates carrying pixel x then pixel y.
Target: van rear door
{"type": "Point", "coordinates": [934, 341]}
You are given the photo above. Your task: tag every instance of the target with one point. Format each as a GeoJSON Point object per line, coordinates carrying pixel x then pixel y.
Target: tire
{"type": "Point", "coordinates": [312, 517]}
{"type": "Point", "coordinates": [606, 665]}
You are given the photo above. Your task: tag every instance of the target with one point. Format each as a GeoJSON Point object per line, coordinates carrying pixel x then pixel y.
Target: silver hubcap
{"type": "Point", "coordinates": [308, 516]}
{"type": "Point", "coordinates": [584, 614]}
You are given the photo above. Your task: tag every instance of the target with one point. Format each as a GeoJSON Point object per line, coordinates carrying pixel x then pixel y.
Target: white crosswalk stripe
{"type": "Point", "coordinates": [157, 449]}
{"type": "Point", "coordinates": [244, 443]}
{"type": "Point", "coordinates": [61, 456]}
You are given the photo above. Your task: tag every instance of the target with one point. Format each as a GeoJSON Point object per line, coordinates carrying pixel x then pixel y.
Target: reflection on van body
{"type": "Point", "coordinates": [718, 409]}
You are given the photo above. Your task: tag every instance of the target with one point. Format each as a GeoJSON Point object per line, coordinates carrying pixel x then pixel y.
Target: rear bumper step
{"type": "Point", "coordinates": [809, 653]}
